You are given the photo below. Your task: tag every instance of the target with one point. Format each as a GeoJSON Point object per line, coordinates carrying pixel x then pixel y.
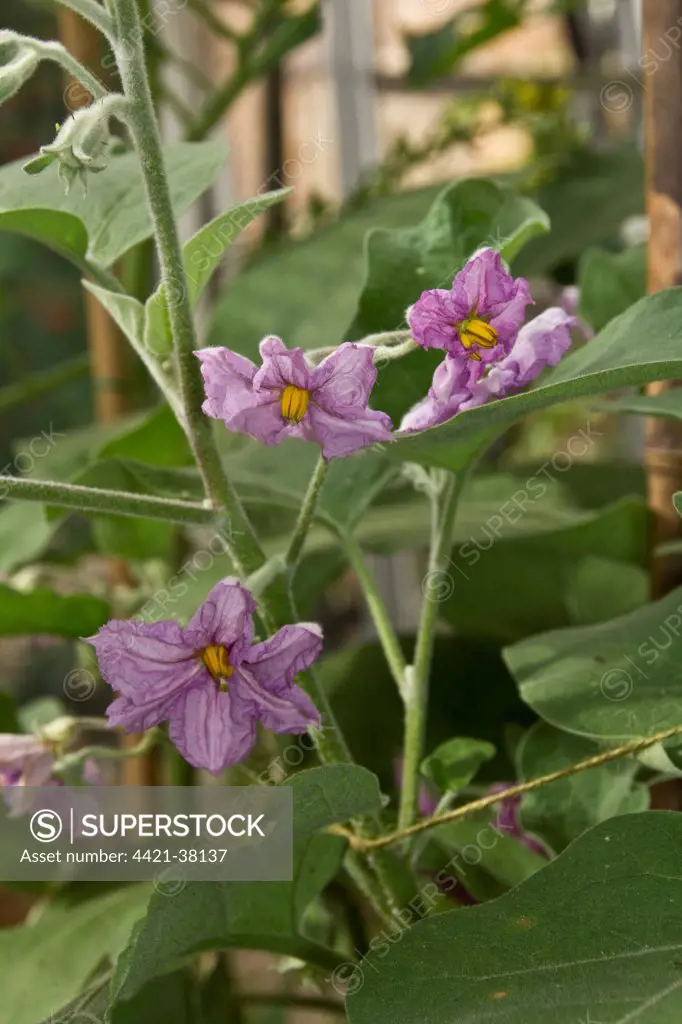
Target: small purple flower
{"type": "Point", "coordinates": [479, 317]}
{"type": "Point", "coordinates": [457, 387]}
{"type": "Point", "coordinates": [24, 761]}
{"type": "Point", "coordinates": [287, 397]}
{"type": "Point", "coordinates": [209, 680]}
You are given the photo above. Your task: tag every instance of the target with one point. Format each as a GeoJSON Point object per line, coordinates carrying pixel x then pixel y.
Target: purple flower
{"type": "Point", "coordinates": [208, 679]}
{"type": "Point", "coordinates": [479, 317]}
{"type": "Point", "coordinates": [24, 761]}
{"type": "Point", "coordinates": [457, 386]}
{"type": "Point", "coordinates": [287, 397]}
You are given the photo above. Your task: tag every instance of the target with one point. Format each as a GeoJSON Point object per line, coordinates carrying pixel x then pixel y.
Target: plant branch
{"type": "Point", "coordinates": [380, 617]}
{"type": "Point", "coordinates": [92, 12]}
{"type": "Point", "coordinates": [306, 515]}
{"type": "Point", "coordinates": [60, 55]}
{"type": "Point", "coordinates": [634, 747]}
{"type": "Point", "coordinates": [247, 554]}
{"type": "Point", "coordinates": [148, 742]}
{"type": "Point", "coordinates": [444, 507]}
{"type": "Point", "coordinates": [104, 501]}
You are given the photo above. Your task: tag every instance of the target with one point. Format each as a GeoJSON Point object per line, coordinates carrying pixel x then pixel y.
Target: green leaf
{"type": "Point", "coordinates": [222, 915]}
{"type": "Point", "coordinates": [434, 54]}
{"type": "Point", "coordinates": [201, 256]}
{"type": "Point", "coordinates": [593, 936]}
{"type": "Point", "coordinates": [454, 763]}
{"type": "Point", "coordinates": [44, 611]}
{"type": "Point", "coordinates": [40, 712]}
{"type": "Point", "coordinates": [507, 583]}
{"type": "Point", "coordinates": [24, 534]}
{"type": "Point", "coordinates": [403, 263]}
{"type": "Point", "coordinates": [45, 964]}
{"type": "Point", "coordinates": [157, 439]}
{"type": "Point", "coordinates": [614, 681]}
{"type": "Point", "coordinates": [614, 359]}
{"type": "Point", "coordinates": [610, 283]}
{"type": "Point", "coordinates": [485, 860]}
{"type": "Point", "coordinates": [563, 810]}
{"type": "Point", "coordinates": [204, 251]}
{"type": "Point", "coordinates": [666, 405]}
{"type": "Point", "coordinates": [130, 315]}
{"type": "Point", "coordinates": [115, 216]}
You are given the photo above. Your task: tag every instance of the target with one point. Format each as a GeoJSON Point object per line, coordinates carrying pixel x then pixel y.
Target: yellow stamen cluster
{"type": "Point", "coordinates": [476, 333]}
{"type": "Point", "coordinates": [294, 403]}
{"type": "Point", "coordinates": [217, 660]}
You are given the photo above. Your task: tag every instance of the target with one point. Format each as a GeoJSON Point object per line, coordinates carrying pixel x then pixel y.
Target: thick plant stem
{"type": "Point", "coordinates": [305, 516]}
{"type": "Point", "coordinates": [128, 48]}
{"type": "Point", "coordinates": [380, 617]}
{"type": "Point", "coordinates": [99, 499]}
{"type": "Point", "coordinates": [418, 686]}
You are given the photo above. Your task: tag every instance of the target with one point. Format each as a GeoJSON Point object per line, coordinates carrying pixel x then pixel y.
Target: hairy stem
{"type": "Point", "coordinates": [60, 55]}
{"type": "Point", "coordinates": [247, 554]}
{"type": "Point", "coordinates": [445, 509]}
{"type": "Point", "coordinates": [102, 500]}
{"type": "Point", "coordinates": [305, 516]}
{"type": "Point", "coordinates": [380, 617]}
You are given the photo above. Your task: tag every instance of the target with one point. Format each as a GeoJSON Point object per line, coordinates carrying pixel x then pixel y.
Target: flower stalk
{"type": "Point", "coordinates": [444, 512]}
{"type": "Point", "coordinates": [306, 514]}
{"type": "Point", "coordinates": [380, 617]}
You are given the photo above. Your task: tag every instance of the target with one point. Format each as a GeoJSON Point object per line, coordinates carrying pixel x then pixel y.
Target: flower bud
{"type": "Point", "coordinates": [60, 732]}
{"type": "Point", "coordinates": [82, 142]}
{"type": "Point", "coordinates": [18, 61]}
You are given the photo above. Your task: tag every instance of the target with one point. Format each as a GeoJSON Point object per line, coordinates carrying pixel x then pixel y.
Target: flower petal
{"type": "Point", "coordinates": [344, 380]}
{"type": "Point", "coordinates": [140, 717]}
{"type": "Point", "coordinates": [484, 285]}
{"type": "Point", "coordinates": [339, 435]}
{"type": "Point", "coordinates": [16, 747]}
{"type": "Point", "coordinates": [228, 382]}
{"type": "Point", "coordinates": [433, 317]}
{"type": "Point", "coordinates": [450, 390]}
{"type": "Point", "coordinates": [281, 709]}
{"type": "Point", "coordinates": [262, 419]}
{"type": "Point", "coordinates": [225, 618]}
{"type": "Point", "coordinates": [145, 661]}
{"type": "Point", "coordinates": [541, 343]}
{"type": "Point", "coordinates": [212, 728]}
{"type": "Point", "coordinates": [281, 366]}
{"type": "Point", "coordinates": [278, 660]}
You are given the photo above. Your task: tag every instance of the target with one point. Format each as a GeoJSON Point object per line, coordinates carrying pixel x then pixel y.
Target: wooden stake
{"type": "Point", "coordinates": [663, 120]}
